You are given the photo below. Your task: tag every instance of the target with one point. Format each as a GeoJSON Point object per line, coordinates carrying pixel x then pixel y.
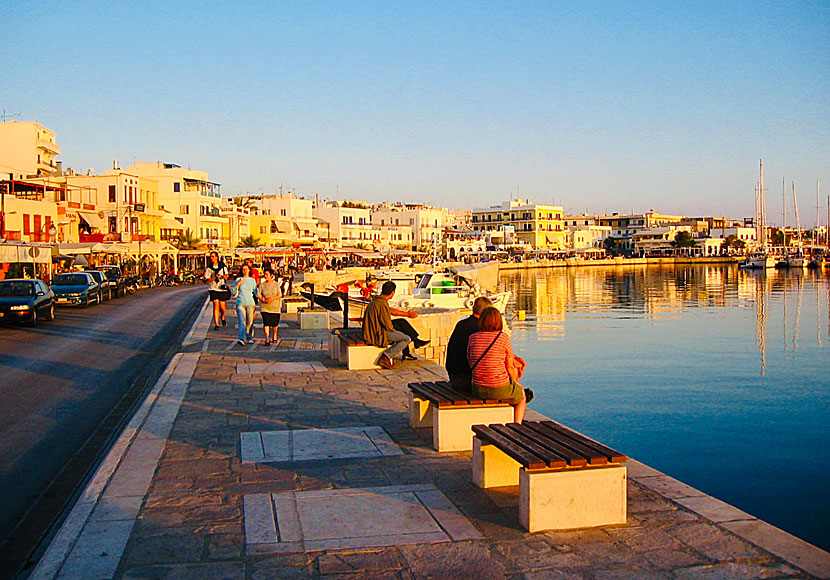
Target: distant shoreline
{"type": "Point", "coordinates": [580, 262]}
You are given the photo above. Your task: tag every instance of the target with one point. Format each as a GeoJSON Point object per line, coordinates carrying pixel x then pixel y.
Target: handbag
{"type": "Point", "coordinates": [225, 292]}
{"type": "Point", "coordinates": [484, 353]}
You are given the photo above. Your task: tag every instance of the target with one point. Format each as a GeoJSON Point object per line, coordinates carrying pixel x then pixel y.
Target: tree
{"type": "Point", "coordinates": [777, 237]}
{"type": "Point", "coordinates": [612, 246]}
{"type": "Point", "coordinates": [187, 241]}
{"type": "Point", "coordinates": [248, 242]}
{"type": "Point", "coordinates": [683, 240]}
{"type": "Point", "coordinates": [732, 242]}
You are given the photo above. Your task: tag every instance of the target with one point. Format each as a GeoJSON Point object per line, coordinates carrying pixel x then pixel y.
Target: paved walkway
{"type": "Point", "coordinates": [255, 462]}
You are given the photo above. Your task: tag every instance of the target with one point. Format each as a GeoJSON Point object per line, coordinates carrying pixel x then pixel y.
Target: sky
{"type": "Point", "coordinates": [594, 106]}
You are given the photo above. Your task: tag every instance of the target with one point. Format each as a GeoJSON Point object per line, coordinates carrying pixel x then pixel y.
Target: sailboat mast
{"type": "Point", "coordinates": [761, 207]}
{"type": "Point", "coordinates": [784, 212]}
{"type": "Point", "coordinates": [797, 218]}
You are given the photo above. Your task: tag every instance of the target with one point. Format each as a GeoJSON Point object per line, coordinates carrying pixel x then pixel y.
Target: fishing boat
{"type": "Point", "coordinates": [758, 261]}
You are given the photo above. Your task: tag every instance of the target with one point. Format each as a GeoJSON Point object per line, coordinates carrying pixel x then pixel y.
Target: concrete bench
{"type": "Point", "coordinates": [452, 414]}
{"type": "Point", "coordinates": [355, 352]}
{"type": "Point", "coordinates": [565, 479]}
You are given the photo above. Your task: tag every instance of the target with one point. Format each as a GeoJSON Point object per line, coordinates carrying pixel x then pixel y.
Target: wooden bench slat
{"type": "Point", "coordinates": [551, 458]}
{"type": "Point", "coordinates": [576, 457]}
{"type": "Point", "coordinates": [433, 396]}
{"type": "Point", "coordinates": [517, 452]}
{"type": "Point", "coordinates": [459, 399]}
{"type": "Point", "coordinates": [610, 454]}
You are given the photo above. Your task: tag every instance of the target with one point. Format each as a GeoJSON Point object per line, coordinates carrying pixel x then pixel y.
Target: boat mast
{"type": "Point", "coordinates": [797, 218]}
{"type": "Point", "coordinates": [784, 213]}
{"type": "Point", "coordinates": [760, 210]}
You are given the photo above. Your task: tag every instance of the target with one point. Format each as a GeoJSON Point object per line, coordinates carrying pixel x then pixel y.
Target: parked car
{"type": "Point", "coordinates": [23, 300]}
{"type": "Point", "coordinates": [115, 280]}
{"type": "Point", "coordinates": [103, 283]}
{"type": "Point", "coordinates": [76, 288]}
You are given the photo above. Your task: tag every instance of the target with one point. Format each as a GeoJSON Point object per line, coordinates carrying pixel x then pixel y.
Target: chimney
{"type": "Point", "coordinates": [115, 164]}
{"type": "Point", "coordinates": [59, 167]}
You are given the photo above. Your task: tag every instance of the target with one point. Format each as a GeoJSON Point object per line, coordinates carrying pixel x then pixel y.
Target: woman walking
{"type": "Point", "coordinates": [216, 274]}
{"type": "Point", "coordinates": [244, 290]}
{"type": "Point", "coordinates": [495, 368]}
{"type": "Point", "coordinates": [270, 304]}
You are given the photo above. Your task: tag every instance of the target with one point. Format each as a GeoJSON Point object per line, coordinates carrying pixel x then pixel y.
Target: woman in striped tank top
{"type": "Point", "coordinates": [496, 369]}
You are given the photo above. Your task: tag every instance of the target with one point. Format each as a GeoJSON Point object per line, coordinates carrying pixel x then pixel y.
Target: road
{"type": "Point", "coordinates": [66, 389]}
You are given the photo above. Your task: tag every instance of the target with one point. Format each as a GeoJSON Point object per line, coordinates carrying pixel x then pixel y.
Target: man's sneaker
{"type": "Point", "coordinates": [240, 341]}
{"type": "Point", "coordinates": [250, 341]}
{"type": "Point", "coordinates": [386, 362]}
{"type": "Point", "coordinates": [528, 395]}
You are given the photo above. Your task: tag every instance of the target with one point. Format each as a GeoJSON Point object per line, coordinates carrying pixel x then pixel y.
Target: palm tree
{"type": "Point", "coordinates": [248, 242]}
{"type": "Point", "coordinates": [187, 241]}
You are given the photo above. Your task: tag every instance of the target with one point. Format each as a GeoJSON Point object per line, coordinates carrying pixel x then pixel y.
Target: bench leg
{"type": "Point", "coordinates": [568, 499]}
{"type": "Point", "coordinates": [361, 358]}
{"type": "Point", "coordinates": [452, 427]}
{"type": "Point", "coordinates": [492, 467]}
{"type": "Point", "coordinates": [420, 414]}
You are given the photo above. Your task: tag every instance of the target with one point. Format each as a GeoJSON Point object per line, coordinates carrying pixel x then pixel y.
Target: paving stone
{"type": "Point", "coordinates": [461, 561]}
{"type": "Point", "coordinates": [713, 543]}
{"type": "Point", "coordinates": [735, 571]}
{"type": "Point", "coordinates": [165, 549]}
{"type": "Point", "coordinates": [346, 562]}
{"type": "Point", "coordinates": [214, 571]}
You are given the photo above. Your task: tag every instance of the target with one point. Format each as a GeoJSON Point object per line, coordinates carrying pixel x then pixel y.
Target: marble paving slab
{"type": "Point", "coordinates": [352, 518]}
{"type": "Point", "coordinates": [280, 367]}
{"type": "Point", "coordinates": [316, 444]}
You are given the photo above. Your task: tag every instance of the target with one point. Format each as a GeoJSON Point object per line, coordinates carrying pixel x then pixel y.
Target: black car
{"type": "Point", "coordinates": [103, 283]}
{"type": "Point", "coordinates": [115, 280]}
{"type": "Point", "coordinates": [76, 288]}
{"type": "Point", "coordinates": [23, 300]}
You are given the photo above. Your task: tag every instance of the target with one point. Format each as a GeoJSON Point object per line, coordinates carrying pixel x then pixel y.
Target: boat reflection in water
{"type": "Point", "coordinates": [679, 366]}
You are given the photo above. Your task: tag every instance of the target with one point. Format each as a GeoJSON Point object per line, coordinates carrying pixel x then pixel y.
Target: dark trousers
{"type": "Point", "coordinates": [402, 325]}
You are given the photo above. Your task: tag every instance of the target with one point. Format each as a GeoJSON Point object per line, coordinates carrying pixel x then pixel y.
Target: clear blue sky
{"type": "Point", "coordinates": [594, 106]}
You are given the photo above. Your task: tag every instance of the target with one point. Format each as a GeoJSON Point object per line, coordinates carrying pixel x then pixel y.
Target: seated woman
{"type": "Point", "coordinates": [495, 370]}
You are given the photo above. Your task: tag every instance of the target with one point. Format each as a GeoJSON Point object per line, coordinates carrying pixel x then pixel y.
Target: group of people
{"type": "Point", "coordinates": [249, 289]}
{"type": "Point", "coordinates": [480, 358]}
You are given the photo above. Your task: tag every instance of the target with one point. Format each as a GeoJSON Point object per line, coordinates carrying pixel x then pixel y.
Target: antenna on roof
{"type": "Point", "coordinates": [4, 116]}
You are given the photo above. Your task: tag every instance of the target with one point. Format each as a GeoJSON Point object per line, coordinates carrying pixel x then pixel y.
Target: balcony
{"type": "Point", "coordinates": [48, 146]}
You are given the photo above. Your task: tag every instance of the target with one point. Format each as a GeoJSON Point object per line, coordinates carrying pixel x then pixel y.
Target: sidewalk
{"type": "Point", "coordinates": [259, 462]}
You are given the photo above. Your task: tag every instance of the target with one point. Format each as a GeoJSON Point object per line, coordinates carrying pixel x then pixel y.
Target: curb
{"type": "Point", "coordinates": [91, 541]}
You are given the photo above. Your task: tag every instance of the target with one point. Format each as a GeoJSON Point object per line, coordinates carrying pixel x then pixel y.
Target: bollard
{"type": "Point", "coordinates": [520, 314]}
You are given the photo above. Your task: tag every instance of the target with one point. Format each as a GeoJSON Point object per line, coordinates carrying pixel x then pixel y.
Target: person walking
{"type": "Point", "coordinates": [270, 304]}
{"type": "Point", "coordinates": [244, 290]}
{"type": "Point", "coordinates": [378, 330]}
{"type": "Point", "coordinates": [495, 371]}
{"type": "Point", "coordinates": [216, 275]}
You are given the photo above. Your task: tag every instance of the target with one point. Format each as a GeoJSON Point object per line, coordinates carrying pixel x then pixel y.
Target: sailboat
{"type": "Point", "coordinates": [761, 258]}
{"type": "Point", "coordinates": [797, 259]}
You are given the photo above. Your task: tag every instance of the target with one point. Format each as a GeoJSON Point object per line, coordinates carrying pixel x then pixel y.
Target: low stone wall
{"type": "Point", "coordinates": [436, 325]}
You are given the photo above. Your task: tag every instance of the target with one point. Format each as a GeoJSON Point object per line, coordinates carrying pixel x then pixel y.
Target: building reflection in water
{"type": "Point", "coordinates": [551, 296]}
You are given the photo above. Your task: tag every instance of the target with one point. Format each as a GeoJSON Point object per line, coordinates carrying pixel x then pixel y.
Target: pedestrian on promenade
{"type": "Point", "coordinates": [378, 329]}
{"type": "Point", "coordinates": [494, 367]}
{"type": "Point", "coordinates": [245, 290]}
{"type": "Point", "coordinates": [270, 304]}
{"type": "Point", "coordinates": [216, 275]}
{"type": "Point", "coordinates": [254, 272]}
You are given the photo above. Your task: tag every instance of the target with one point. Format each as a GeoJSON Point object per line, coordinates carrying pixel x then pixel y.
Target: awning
{"type": "Point", "coordinates": [170, 224]}
{"type": "Point", "coordinates": [94, 220]}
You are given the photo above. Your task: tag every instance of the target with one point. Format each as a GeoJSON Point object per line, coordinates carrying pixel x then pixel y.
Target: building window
{"type": "Point", "coordinates": [283, 212]}
{"type": "Point", "coordinates": [177, 187]}
{"type": "Point", "coordinates": [112, 194]}
{"type": "Point", "coordinates": [185, 210]}
{"type": "Point", "coordinates": [113, 225]}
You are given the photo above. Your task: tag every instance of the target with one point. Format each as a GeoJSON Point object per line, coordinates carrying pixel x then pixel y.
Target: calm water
{"type": "Point", "coordinates": [716, 376]}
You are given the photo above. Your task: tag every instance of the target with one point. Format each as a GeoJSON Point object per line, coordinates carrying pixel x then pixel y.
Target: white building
{"type": "Point", "coordinates": [426, 222]}
{"type": "Point", "coordinates": [27, 149]}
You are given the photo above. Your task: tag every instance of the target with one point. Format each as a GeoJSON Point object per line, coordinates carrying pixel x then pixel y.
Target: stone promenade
{"type": "Point", "coordinates": [274, 462]}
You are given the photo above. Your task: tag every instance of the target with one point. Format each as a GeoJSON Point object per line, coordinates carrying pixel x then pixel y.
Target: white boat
{"type": "Point", "coordinates": [798, 261]}
{"type": "Point", "coordinates": [758, 261]}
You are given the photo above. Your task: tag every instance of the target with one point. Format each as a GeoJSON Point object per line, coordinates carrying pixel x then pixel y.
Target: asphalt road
{"type": "Point", "coordinates": [66, 389]}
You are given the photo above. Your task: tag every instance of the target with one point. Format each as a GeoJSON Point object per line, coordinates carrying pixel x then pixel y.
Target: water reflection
{"type": "Point", "coordinates": [552, 296]}
{"type": "Point", "coordinates": [681, 367]}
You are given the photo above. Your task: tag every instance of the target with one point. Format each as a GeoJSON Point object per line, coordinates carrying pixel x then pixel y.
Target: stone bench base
{"type": "Point", "coordinates": [452, 426]}
{"type": "Point", "coordinates": [560, 499]}
{"type": "Point", "coordinates": [360, 358]}
{"type": "Point", "coordinates": [314, 319]}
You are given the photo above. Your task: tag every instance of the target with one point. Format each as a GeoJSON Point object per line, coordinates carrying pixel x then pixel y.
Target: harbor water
{"type": "Point", "coordinates": [714, 375]}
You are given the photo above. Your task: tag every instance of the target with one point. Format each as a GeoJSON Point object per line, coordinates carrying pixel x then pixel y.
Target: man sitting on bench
{"type": "Point", "coordinates": [378, 330]}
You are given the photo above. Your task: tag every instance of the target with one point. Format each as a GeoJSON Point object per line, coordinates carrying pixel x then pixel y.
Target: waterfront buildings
{"type": "Point", "coordinates": [426, 222]}
{"type": "Point", "coordinates": [520, 222]}
{"type": "Point", "coordinates": [27, 149]}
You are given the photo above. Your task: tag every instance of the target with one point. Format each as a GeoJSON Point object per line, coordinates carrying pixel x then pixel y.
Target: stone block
{"type": "Point", "coordinates": [314, 319]}
{"type": "Point", "coordinates": [572, 498]}
{"type": "Point", "coordinates": [492, 467]}
{"type": "Point", "coordinates": [360, 358]}
{"type": "Point", "coordinates": [420, 414]}
{"type": "Point", "coordinates": [452, 427]}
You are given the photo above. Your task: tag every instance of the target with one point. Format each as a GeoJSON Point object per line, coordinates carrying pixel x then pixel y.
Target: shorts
{"type": "Point", "coordinates": [270, 318]}
{"type": "Point", "coordinates": [218, 295]}
{"type": "Point", "coordinates": [512, 392]}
